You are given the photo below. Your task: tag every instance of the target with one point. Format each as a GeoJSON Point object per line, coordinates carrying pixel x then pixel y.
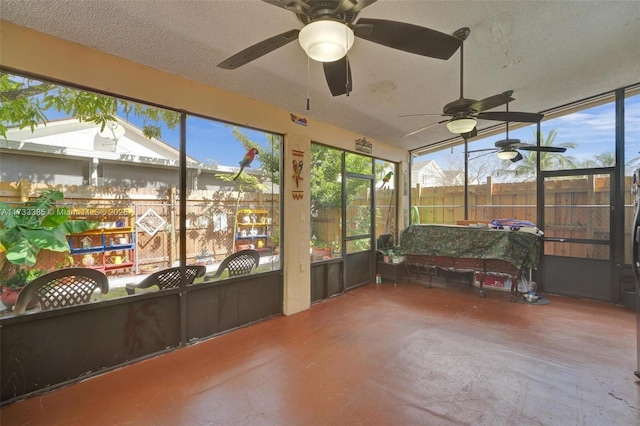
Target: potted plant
{"type": "Point", "coordinates": [27, 229]}
{"type": "Point", "coordinates": [11, 287]}
{"type": "Point", "coordinates": [319, 249]}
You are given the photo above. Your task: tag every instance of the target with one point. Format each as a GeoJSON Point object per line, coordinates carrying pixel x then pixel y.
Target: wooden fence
{"type": "Point", "coordinates": [204, 237]}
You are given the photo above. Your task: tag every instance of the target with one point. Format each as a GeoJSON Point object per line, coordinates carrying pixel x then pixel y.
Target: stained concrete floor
{"type": "Point", "coordinates": [379, 355]}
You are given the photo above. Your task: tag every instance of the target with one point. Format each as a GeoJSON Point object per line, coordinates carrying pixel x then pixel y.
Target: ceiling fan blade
{"type": "Point", "coordinates": [490, 102]}
{"type": "Point", "coordinates": [517, 158]}
{"type": "Point", "coordinates": [522, 117]}
{"type": "Point", "coordinates": [408, 38]}
{"type": "Point", "coordinates": [503, 143]}
{"type": "Point", "coordinates": [338, 75]}
{"type": "Point", "coordinates": [543, 148]}
{"type": "Point", "coordinates": [258, 50]}
{"type": "Point", "coordinates": [424, 128]}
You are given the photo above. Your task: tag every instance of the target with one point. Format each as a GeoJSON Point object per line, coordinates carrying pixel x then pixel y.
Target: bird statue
{"type": "Point", "coordinates": [246, 160]}
{"type": "Point", "coordinates": [385, 180]}
{"type": "Point", "coordinates": [297, 170]}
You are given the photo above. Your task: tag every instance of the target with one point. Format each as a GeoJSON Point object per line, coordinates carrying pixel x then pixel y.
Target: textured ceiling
{"type": "Point", "coordinates": [548, 52]}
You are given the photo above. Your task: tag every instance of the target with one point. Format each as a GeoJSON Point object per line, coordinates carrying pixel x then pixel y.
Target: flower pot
{"type": "Point", "coordinates": [10, 295]}
{"type": "Point", "coordinates": [320, 253]}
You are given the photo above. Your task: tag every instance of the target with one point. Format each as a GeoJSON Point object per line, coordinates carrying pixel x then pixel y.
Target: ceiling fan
{"type": "Point", "coordinates": [509, 149]}
{"type": "Point", "coordinates": [465, 112]}
{"type": "Point", "coordinates": [329, 32]}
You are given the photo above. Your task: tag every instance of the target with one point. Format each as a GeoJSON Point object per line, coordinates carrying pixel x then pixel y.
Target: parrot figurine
{"type": "Point", "coordinates": [246, 160]}
{"type": "Point", "coordinates": [385, 180]}
{"type": "Point", "coordinates": [297, 170]}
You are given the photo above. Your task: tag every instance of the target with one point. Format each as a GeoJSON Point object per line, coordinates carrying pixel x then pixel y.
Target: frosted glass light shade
{"type": "Point", "coordinates": [461, 125]}
{"type": "Point", "coordinates": [507, 155]}
{"type": "Point", "coordinates": [326, 41]}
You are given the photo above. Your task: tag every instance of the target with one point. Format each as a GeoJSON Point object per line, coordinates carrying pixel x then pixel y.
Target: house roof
{"type": "Point", "coordinates": [71, 137]}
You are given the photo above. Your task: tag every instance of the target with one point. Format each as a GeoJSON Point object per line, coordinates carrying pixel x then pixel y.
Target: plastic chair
{"type": "Point", "coordinates": [385, 241]}
{"type": "Point", "coordinates": [61, 288]}
{"type": "Point", "coordinates": [168, 278]}
{"type": "Point", "coordinates": [238, 263]}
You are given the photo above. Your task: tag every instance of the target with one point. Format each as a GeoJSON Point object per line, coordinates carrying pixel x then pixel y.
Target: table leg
{"type": "Point", "coordinates": [484, 275]}
{"type": "Point", "coordinates": [514, 286]}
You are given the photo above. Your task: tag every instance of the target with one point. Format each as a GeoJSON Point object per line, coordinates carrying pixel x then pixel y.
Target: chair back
{"type": "Point", "coordinates": [61, 288]}
{"type": "Point", "coordinates": [239, 263]}
{"type": "Point", "coordinates": [385, 241]}
{"type": "Point", "coordinates": [169, 278]}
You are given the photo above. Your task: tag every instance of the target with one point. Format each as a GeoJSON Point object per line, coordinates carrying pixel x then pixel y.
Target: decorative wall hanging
{"type": "Point", "coordinates": [298, 120]}
{"type": "Point", "coordinates": [151, 222]}
{"type": "Point", "coordinates": [297, 194]}
{"type": "Point", "coordinates": [364, 145]}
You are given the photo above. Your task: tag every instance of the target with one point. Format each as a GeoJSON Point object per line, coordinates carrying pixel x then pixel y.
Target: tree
{"type": "Point", "coordinates": [606, 159]}
{"type": "Point", "coordinates": [326, 171]}
{"type": "Point", "coordinates": [25, 102]}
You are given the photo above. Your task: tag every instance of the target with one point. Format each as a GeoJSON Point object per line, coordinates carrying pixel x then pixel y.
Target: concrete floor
{"type": "Point", "coordinates": [379, 355]}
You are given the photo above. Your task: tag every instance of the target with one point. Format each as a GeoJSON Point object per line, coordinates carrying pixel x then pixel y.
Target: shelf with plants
{"type": "Point", "coordinates": [110, 246]}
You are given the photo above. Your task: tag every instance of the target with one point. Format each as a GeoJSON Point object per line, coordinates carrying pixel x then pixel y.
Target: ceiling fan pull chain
{"type": "Point", "coordinates": [308, 60]}
{"type": "Point", "coordinates": [348, 83]}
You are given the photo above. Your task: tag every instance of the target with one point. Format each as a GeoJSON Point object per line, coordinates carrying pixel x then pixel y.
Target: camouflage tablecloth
{"type": "Point", "coordinates": [521, 249]}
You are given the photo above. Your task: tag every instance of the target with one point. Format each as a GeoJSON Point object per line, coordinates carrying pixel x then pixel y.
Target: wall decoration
{"type": "Point", "coordinates": [297, 162]}
{"type": "Point", "coordinates": [364, 145]}
{"type": "Point", "coordinates": [151, 222]}
{"type": "Point", "coordinates": [298, 120]}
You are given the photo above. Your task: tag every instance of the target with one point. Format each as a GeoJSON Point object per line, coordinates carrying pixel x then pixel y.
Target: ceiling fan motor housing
{"type": "Point", "coordinates": [323, 9]}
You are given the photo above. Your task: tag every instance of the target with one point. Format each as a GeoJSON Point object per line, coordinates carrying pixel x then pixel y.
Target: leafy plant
{"type": "Point", "coordinates": [23, 277]}
{"type": "Point", "coordinates": [33, 226]}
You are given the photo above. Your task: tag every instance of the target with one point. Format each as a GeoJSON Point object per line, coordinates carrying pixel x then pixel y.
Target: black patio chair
{"type": "Point", "coordinates": [238, 263]}
{"type": "Point", "coordinates": [168, 278]}
{"type": "Point", "coordinates": [61, 288]}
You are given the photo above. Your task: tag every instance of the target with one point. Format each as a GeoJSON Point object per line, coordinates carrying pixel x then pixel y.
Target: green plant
{"type": "Point", "coordinates": [275, 238]}
{"type": "Point", "coordinates": [22, 277]}
{"type": "Point", "coordinates": [316, 243]}
{"type": "Point", "coordinates": [33, 226]}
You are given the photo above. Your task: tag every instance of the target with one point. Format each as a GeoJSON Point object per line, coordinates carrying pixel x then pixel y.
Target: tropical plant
{"type": "Point", "coordinates": [33, 226]}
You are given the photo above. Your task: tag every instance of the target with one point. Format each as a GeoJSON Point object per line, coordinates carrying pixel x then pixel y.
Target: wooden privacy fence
{"type": "Point", "coordinates": [211, 219]}
{"type": "Point", "coordinates": [326, 222]}
{"type": "Point", "coordinates": [575, 207]}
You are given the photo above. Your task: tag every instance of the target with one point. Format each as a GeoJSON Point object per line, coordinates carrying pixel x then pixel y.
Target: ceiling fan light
{"type": "Point", "coordinates": [461, 125]}
{"type": "Point", "coordinates": [507, 154]}
{"type": "Point", "coordinates": [326, 41]}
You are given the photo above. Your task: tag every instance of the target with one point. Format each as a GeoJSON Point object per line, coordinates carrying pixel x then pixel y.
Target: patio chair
{"type": "Point", "coordinates": [168, 278]}
{"type": "Point", "coordinates": [238, 263]}
{"type": "Point", "coordinates": [61, 288]}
